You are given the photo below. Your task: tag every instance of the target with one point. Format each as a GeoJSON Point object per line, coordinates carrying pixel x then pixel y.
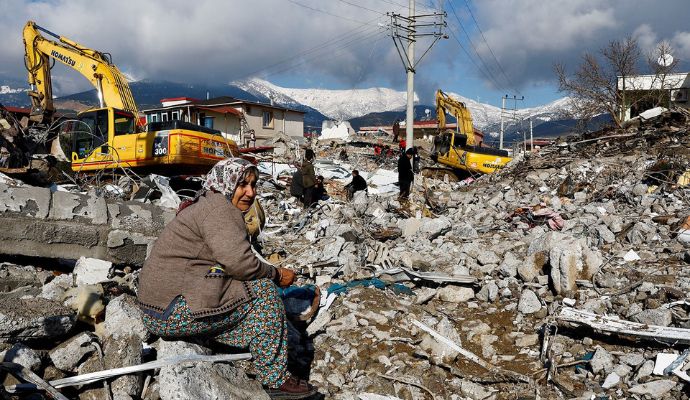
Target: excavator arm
{"type": "Point", "coordinates": [113, 89]}
{"type": "Point", "coordinates": [445, 103]}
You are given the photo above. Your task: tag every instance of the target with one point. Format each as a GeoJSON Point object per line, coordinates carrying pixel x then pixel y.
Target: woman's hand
{"type": "Point", "coordinates": [285, 277]}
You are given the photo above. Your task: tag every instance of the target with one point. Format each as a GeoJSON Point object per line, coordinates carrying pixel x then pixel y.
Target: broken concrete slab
{"type": "Point", "coordinates": [203, 380]}
{"type": "Point", "coordinates": [22, 355]}
{"type": "Point", "coordinates": [123, 318]}
{"type": "Point", "coordinates": [89, 271]}
{"type": "Point", "coordinates": [33, 319]}
{"type": "Point", "coordinates": [69, 353]}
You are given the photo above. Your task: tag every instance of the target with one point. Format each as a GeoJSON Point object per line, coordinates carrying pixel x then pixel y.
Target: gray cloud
{"type": "Point", "coordinates": [529, 36]}
{"type": "Point", "coordinates": [212, 41]}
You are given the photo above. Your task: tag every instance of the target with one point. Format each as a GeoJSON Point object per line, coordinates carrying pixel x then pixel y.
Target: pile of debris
{"type": "Point", "coordinates": [564, 276]}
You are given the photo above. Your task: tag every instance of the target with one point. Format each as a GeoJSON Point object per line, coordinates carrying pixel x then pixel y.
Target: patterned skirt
{"type": "Point", "coordinates": [258, 325]}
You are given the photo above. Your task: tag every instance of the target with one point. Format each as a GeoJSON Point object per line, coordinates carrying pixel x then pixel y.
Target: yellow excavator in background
{"type": "Point", "coordinates": [459, 149]}
{"type": "Point", "coordinates": [110, 136]}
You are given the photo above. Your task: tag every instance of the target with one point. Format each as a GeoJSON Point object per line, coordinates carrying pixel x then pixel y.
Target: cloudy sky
{"type": "Point", "coordinates": [495, 47]}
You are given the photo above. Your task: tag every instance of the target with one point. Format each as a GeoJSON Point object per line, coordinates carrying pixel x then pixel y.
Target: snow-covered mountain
{"type": "Point", "coordinates": [4, 89]}
{"type": "Point", "coordinates": [335, 104]}
{"type": "Point", "coordinates": [354, 103]}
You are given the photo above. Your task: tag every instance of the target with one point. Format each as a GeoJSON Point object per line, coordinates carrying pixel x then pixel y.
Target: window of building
{"type": "Point", "coordinates": [152, 118]}
{"type": "Point", "coordinates": [175, 115]}
{"type": "Point", "coordinates": [249, 109]}
{"type": "Point", "coordinates": [268, 119]}
{"type": "Point", "coordinates": [208, 122]}
{"type": "Point", "coordinates": [164, 116]}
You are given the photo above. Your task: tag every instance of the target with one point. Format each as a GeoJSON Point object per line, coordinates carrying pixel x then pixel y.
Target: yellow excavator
{"type": "Point", "coordinates": [459, 149]}
{"type": "Point", "coordinates": [111, 136]}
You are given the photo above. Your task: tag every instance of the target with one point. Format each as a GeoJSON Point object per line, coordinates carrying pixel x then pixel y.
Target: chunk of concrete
{"type": "Point", "coordinates": [123, 318]}
{"type": "Point", "coordinates": [69, 353]}
{"type": "Point", "coordinates": [203, 380]}
{"type": "Point", "coordinates": [124, 352]}
{"type": "Point", "coordinates": [455, 294]}
{"type": "Point", "coordinates": [89, 271]}
{"type": "Point", "coordinates": [56, 288]}
{"type": "Point", "coordinates": [656, 389]}
{"type": "Point", "coordinates": [532, 266]}
{"type": "Point", "coordinates": [33, 318]}
{"type": "Point", "coordinates": [602, 360]}
{"type": "Point", "coordinates": [488, 292]}
{"type": "Point", "coordinates": [529, 302]}
{"type": "Point", "coordinates": [27, 200]}
{"type": "Point", "coordinates": [657, 316]}
{"type": "Point", "coordinates": [22, 355]}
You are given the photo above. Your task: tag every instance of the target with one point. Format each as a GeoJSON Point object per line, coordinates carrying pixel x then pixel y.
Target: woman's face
{"type": "Point", "coordinates": [245, 192]}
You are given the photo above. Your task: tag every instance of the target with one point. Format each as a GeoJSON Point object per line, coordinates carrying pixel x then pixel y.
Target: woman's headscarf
{"type": "Point", "coordinates": [223, 178]}
{"type": "Point", "coordinates": [225, 175]}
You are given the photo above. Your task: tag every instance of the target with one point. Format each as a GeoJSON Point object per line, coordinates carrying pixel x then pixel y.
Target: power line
{"type": "Point", "coordinates": [469, 57]}
{"type": "Point", "coordinates": [362, 7]}
{"type": "Point", "coordinates": [332, 52]}
{"type": "Point", "coordinates": [486, 66]}
{"type": "Point", "coordinates": [332, 41]}
{"type": "Point", "coordinates": [326, 12]}
{"type": "Point", "coordinates": [423, 6]}
{"type": "Point", "coordinates": [510, 83]}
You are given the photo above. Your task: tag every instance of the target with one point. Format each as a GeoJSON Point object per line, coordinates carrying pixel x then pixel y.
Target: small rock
{"type": "Point", "coordinates": [455, 294]}
{"type": "Point", "coordinates": [89, 271]}
{"type": "Point", "coordinates": [68, 354]}
{"type": "Point", "coordinates": [658, 316]}
{"type": "Point", "coordinates": [611, 380]}
{"type": "Point", "coordinates": [527, 340]}
{"type": "Point", "coordinates": [22, 355]}
{"type": "Point", "coordinates": [601, 361]}
{"type": "Point", "coordinates": [657, 389]}
{"type": "Point", "coordinates": [529, 302]}
{"type": "Point", "coordinates": [488, 292]}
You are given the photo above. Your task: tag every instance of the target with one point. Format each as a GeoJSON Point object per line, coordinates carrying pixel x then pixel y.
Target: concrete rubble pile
{"type": "Point", "coordinates": [563, 276]}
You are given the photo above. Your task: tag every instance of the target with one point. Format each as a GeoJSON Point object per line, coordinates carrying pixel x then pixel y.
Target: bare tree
{"type": "Point", "coordinates": [594, 85]}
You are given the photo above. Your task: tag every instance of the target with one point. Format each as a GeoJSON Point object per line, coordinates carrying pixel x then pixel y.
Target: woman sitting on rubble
{"type": "Point", "coordinates": [202, 279]}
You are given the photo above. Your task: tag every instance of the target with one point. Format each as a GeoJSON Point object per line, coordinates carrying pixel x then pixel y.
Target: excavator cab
{"type": "Point", "coordinates": [87, 138]}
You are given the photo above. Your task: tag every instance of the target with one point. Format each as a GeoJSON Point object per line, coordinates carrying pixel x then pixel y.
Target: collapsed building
{"type": "Point", "coordinates": [562, 276]}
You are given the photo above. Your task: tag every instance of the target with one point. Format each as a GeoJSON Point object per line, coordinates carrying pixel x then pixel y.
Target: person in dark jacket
{"type": "Point", "coordinates": [320, 190]}
{"type": "Point", "coordinates": [405, 173]}
{"type": "Point", "coordinates": [308, 178]}
{"type": "Point", "coordinates": [203, 280]}
{"type": "Point", "coordinates": [358, 183]}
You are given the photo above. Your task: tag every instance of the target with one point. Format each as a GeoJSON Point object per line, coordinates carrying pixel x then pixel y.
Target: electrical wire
{"type": "Point", "coordinates": [486, 66]}
{"type": "Point", "coordinates": [362, 7]}
{"type": "Point", "coordinates": [510, 83]}
{"type": "Point", "coordinates": [472, 60]}
{"type": "Point", "coordinates": [332, 41]}
{"type": "Point", "coordinates": [326, 12]}
{"type": "Point", "coordinates": [332, 52]}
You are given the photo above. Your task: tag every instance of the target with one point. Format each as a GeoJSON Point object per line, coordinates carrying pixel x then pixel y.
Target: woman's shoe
{"type": "Point", "coordinates": [292, 388]}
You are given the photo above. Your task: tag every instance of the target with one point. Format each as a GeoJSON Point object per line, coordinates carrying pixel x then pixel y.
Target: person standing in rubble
{"type": "Point", "coordinates": [396, 130]}
{"type": "Point", "coordinates": [203, 280]}
{"type": "Point", "coordinates": [308, 178]}
{"type": "Point", "coordinates": [358, 183]}
{"type": "Point", "coordinates": [405, 173]}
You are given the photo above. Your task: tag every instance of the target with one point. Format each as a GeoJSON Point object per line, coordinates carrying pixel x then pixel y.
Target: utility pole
{"type": "Point", "coordinates": [405, 31]}
{"type": "Point", "coordinates": [409, 115]}
{"type": "Point", "coordinates": [531, 136]}
{"type": "Point", "coordinates": [503, 107]}
{"type": "Point", "coordinates": [503, 110]}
